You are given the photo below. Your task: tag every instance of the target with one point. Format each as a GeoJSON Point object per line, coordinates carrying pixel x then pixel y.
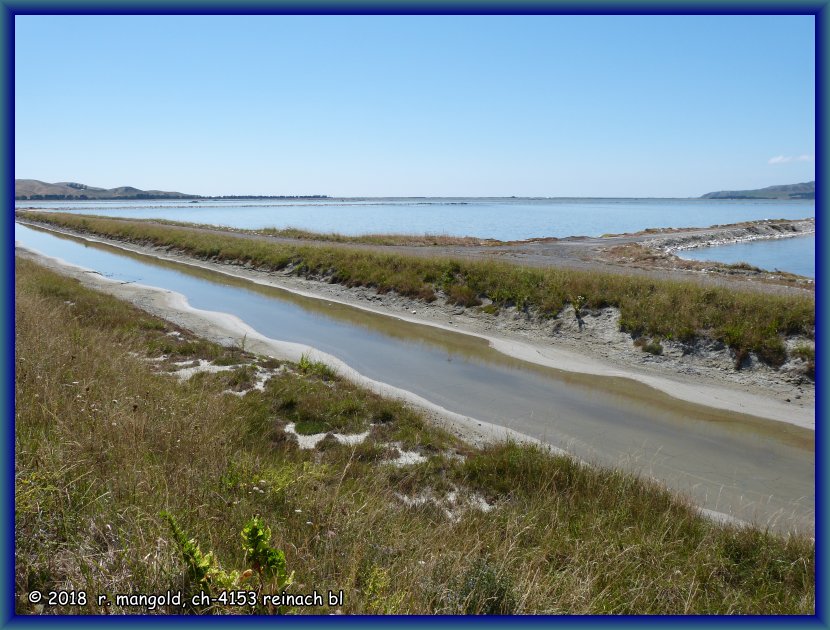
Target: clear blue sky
{"type": "Point", "coordinates": [434, 105]}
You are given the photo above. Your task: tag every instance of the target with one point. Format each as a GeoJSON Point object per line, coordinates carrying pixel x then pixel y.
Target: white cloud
{"type": "Point", "coordinates": [785, 159]}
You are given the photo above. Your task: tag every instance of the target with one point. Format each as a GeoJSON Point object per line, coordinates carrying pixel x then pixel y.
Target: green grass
{"type": "Point", "coordinates": [106, 443]}
{"type": "Point", "coordinates": [746, 321]}
{"type": "Point", "coordinates": [319, 368]}
{"type": "Point", "coordinates": [386, 240]}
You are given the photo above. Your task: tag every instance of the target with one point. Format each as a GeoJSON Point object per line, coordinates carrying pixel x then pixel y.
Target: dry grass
{"type": "Point", "coordinates": [106, 441]}
{"type": "Point", "coordinates": [389, 240]}
{"type": "Point", "coordinates": [746, 321]}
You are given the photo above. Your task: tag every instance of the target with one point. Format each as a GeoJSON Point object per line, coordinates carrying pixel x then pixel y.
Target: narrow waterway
{"type": "Point", "coordinates": [746, 467]}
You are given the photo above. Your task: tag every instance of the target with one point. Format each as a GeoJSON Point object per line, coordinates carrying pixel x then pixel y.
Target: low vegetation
{"type": "Point", "coordinates": [131, 479]}
{"type": "Point", "coordinates": [385, 240]}
{"type": "Point", "coordinates": [746, 321]}
{"type": "Point", "coordinates": [405, 240]}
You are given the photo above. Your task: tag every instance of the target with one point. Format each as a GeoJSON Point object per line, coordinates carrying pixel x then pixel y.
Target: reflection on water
{"type": "Point", "coordinates": [796, 255]}
{"type": "Point", "coordinates": [504, 219]}
{"type": "Point", "coordinates": [728, 462]}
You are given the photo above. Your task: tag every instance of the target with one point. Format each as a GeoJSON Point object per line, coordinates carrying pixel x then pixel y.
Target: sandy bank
{"type": "Point", "coordinates": [592, 345]}
{"type": "Point", "coordinates": [227, 329]}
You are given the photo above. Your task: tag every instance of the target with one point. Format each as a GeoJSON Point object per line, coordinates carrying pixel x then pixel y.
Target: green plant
{"type": "Point", "coordinates": [263, 560]}
{"type": "Point", "coordinates": [202, 568]}
{"type": "Point", "coordinates": [307, 366]}
{"type": "Point", "coordinates": [578, 302]}
{"type": "Point", "coordinates": [653, 347]}
{"type": "Point", "coordinates": [269, 563]}
{"type": "Point", "coordinates": [483, 590]}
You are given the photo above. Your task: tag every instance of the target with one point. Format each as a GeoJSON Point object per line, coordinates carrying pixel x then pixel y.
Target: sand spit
{"type": "Point", "coordinates": [654, 252]}
{"type": "Point", "coordinates": [739, 233]}
{"type": "Point", "coordinates": [592, 344]}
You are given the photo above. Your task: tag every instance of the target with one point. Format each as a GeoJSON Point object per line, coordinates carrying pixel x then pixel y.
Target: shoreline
{"type": "Point", "coordinates": [611, 253]}
{"type": "Point", "coordinates": [805, 227]}
{"type": "Point", "coordinates": [723, 393]}
{"type": "Point", "coordinates": [227, 329]}
{"type": "Point", "coordinates": [235, 458]}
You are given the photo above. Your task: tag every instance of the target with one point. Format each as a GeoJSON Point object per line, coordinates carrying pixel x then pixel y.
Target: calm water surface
{"type": "Point", "coordinates": [727, 462]}
{"type": "Point", "coordinates": [796, 255]}
{"type": "Point", "coordinates": [504, 219]}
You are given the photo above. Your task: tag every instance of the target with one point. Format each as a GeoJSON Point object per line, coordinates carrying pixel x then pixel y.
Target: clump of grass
{"type": "Point", "coordinates": [653, 347]}
{"type": "Point", "coordinates": [462, 296]}
{"type": "Point", "coordinates": [744, 266]}
{"type": "Point", "coordinates": [482, 589]}
{"type": "Point", "coordinates": [104, 444]}
{"type": "Point", "coordinates": [406, 240]}
{"type": "Point", "coordinates": [318, 368]}
{"type": "Point", "coordinates": [805, 352]}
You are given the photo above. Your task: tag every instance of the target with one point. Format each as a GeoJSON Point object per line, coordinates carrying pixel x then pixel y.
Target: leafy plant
{"type": "Point", "coordinates": [268, 562]}
{"type": "Point", "coordinates": [202, 568]}
{"type": "Point", "coordinates": [264, 561]}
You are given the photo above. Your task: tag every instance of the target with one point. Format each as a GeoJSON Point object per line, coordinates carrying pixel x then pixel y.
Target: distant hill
{"type": "Point", "coordinates": [34, 189]}
{"type": "Point", "coordinates": [807, 190]}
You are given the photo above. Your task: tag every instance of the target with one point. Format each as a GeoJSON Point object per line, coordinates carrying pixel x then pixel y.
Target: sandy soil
{"type": "Point", "coordinates": [592, 344]}
{"type": "Point", "coordinates": [228, 330]}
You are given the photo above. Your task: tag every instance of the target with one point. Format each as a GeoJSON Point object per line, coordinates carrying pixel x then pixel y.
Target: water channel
{"type": "Point", "coordinates": [747, 467]}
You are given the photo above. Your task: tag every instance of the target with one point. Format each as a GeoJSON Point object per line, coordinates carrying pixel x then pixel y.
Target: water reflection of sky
{"type": "Point", "coordinates": [684, 448]}
{"type": "Point", "coordinates": [506, 219]}
{"type": "Point", "coordinates": [796, 255]}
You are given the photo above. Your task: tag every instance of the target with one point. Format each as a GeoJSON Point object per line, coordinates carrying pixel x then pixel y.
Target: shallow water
{"type": "Point", "coordinates": [796, 255]}
{"type": "Point", "coordinates": [744, 466]}
{"type": "Point", "coordinates": [504, 219]}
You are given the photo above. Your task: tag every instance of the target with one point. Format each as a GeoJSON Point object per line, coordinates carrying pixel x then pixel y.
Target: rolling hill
{"type": "Point", "coordinates": [37, 190]}
{"type": "Point", "coordinates": [806, 190]}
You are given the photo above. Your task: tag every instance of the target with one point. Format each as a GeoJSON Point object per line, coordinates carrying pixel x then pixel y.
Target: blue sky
{"type": "Point", "coordinates": [425, 105]}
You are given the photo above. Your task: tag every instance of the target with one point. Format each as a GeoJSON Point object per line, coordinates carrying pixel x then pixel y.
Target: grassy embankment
{"type": "Point", "coordinates": [107, 440]}
{"type": "Point", "coordinates": [299, 234]}
{"type": "Point", "coordinates": [659, 309]}
{"type": "Point", "coordinates": [406, 240]}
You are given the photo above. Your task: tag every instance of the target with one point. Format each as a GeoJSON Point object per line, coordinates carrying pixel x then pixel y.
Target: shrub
{"type": "Point", "coordinates": [653, 347]}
